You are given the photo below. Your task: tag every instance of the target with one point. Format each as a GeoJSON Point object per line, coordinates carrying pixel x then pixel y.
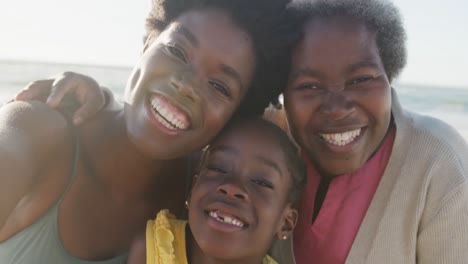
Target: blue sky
{"type": "Point", "coordinates": [109, 32]}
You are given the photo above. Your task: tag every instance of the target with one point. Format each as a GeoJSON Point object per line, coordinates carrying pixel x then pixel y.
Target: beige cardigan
{"type": "Point", "coordinates": [419, 213]}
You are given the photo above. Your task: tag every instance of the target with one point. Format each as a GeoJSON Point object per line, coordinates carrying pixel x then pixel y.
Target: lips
{"type": "Point", "coordinates": [225, 217]}
{"type": "Point", "coordinates": [168, 115]}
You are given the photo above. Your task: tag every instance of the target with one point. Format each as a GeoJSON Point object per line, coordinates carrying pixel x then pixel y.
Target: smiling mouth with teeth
{"type": "Point", "coordinates": [168, 115]}
{"type": "Point", "coordinates": [341, 139]}
{"type": "Point", "coordinates": [226, 219]}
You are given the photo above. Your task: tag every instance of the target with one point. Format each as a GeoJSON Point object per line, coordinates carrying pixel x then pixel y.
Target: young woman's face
{"type": "Point", "coordinates": [338, 99]}
{"type": "Point", "coordinates": [188, 83]}
{"type": "Point", "coordinates": [238, 202]}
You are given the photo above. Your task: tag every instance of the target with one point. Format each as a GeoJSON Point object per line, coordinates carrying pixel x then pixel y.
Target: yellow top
{"type": "Point", "coordinates": [165, 241]}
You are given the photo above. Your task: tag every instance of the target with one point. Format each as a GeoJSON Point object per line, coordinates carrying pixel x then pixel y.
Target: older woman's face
{"type": "Point", "coordinates": [338, 99]}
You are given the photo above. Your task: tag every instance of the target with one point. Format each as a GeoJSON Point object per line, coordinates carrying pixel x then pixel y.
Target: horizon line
{"type": "Point", "coordinates": [129, 67]}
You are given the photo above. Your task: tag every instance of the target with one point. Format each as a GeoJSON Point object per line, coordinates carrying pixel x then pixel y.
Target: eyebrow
{"type": "Point", "coordinates": [367, 63]}
{"type": "Point", "coordinates": [232, 73]}
{"type": "Point", "coordinates": [303, 72]}
{"type": "Point", "coordinates": [187, 34]}
{"type": "Point", "coordinates": [261, 159]}
{"type": "Point", "coordinates": [269, 163]}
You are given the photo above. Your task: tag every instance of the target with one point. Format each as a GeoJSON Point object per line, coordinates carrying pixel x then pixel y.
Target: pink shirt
{"type": "Point", "coordinates": [329, 239]}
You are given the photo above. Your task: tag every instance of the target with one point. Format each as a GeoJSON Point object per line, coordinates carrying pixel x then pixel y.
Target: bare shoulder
{"type": "Point", "coordinates": [34, 116]}
{"type": "Point", "coordinates": [32, 137]}
{"type": "Point", "coordinates": [30, 130]}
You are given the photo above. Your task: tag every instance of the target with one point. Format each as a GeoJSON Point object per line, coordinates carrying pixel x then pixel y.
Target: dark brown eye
{"type": "Point", "coordinates": [220, 88]}
{"type": "Point", "coordinates": [263, 183]}
{"type": "Point", "coordinates": [360, 80]}
{"type": "Point", "coordinates": [308, 86]}
{"type": "Point", "coordinates": [177, 52]}
{"type": "Point", "coordinates": [216, 169]}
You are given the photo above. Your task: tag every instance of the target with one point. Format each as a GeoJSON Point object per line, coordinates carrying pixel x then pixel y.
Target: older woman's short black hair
{"type": "Point", "coordinates": [380, 17]}
{"type": "Point", "coordinates": [268, 23]}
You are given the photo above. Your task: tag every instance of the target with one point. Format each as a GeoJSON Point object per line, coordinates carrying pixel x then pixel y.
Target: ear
{"type": "Point", "coordinates": [288, 222]}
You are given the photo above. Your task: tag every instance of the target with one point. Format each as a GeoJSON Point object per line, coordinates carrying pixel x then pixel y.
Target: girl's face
{"type": "Point", "coordinates": [338, 99]}
{"type": "Point", "coordinates": [238, 204]}
{"type": "Point", "coordinates": [188, 83]}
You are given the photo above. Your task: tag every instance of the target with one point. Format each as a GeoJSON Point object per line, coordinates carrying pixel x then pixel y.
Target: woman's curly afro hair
{"type": "Point", "coordinates": [273, 32]}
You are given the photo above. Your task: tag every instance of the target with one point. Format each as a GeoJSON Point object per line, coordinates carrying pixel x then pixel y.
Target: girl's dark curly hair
{"type": "Point", "coordinates": [270, 26]}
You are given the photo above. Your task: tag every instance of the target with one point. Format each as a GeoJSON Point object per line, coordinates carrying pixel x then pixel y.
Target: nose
{"type": "Point", "coordinates": [336, 105]}
{"type": "Point", "coordinates": [184, 83]}
{"type": "Point", "coordinates": [232, 191]}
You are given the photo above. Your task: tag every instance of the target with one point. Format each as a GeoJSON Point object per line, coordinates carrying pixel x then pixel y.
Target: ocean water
{"type": "Point", "coordinates": [450, 105]}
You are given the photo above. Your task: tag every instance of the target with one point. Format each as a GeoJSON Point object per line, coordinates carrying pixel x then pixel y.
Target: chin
{"type": "Point", "coordinates": [221, 251]}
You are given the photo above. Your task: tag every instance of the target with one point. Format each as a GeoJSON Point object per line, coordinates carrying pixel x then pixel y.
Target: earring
{"type": "Point", "coordinates": [186, 204]}
{"type": "Point", "coordinates": [285, 237]}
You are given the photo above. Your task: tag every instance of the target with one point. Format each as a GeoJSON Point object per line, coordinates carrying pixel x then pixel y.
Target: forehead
{"type": "Point", "coordinates": [251, 140]}
{"type": "Point", "coordinates": [338, 37]}
{"type": "Point", "coordinates": [213, 31]}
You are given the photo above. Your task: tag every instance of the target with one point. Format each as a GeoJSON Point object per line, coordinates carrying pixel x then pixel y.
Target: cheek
{"type": "Point", "coordinates": [132, 83]}
{"type": "Point", "coordinates": [379, 105]}
{"type": "Point", "coordinates": [270, 202]}
{"type": "Point", "coordinates": [198, 191]}
{"type": "Point", "coordinates": [299, 110]}
{"type": "Point", "coordinates": [148, 71]}
{"type": "Point", "coordinates": [217, 114]}
{"type": "Point", "coordinates": [272, 216]}
{"type": "Point", "coordinates": [386, 102]}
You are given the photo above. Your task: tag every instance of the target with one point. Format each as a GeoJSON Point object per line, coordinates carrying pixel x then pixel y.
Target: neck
{"type": "Point", "coordinates": [195, 255]}
{"type": "Point", "coordinates": [115, 162]}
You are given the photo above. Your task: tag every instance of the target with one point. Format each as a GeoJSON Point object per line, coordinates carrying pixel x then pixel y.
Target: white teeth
{"type": "Point", "coordinates": [165, 123]}
{"type": "Point", "coordinates": [341, 139]}
{"type": "Point", "coordinates": [226, 219]}
{"type": "Point", "coordinates": [164, 113]}
{"type": "Point", "coordinates": [337, 137]}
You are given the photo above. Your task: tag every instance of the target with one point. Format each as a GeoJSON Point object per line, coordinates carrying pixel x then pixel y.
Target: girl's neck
{"type": "Point", "coordinates": [195, 255]}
